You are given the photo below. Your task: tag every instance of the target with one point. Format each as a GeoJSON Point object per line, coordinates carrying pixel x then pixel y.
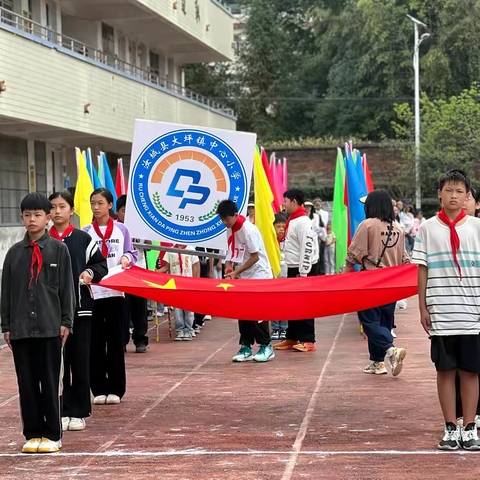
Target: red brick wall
{"type": "Point", "coordinates": [315, 166]}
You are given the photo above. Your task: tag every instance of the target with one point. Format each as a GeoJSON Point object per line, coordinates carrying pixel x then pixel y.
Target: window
{"type": "Point", "coordinates": [40, 168]}
{"type": "Point", "coordinates": [13, 179]}
{"type": "Point", "coordinates": [108, 44]}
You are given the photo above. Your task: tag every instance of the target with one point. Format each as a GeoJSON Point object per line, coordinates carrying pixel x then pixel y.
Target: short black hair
{"type": "Point", "coordinates": [121, 202]}
{"type": "Point", "coordinates": [36, 201]}
{"type": "Point", "coordinates": [65, 195]}
{"type": "Point", "coordinates": [227, 208]}
{"type": "Point", "coordinates": [104, 192]}
{"type": "Point", "coordinates": [295, 194]}
{"type": "Point", "coordinates": [280, 217]}
{"type": "Point", "coordinates": [475, 193]}
{"type": "Point", "coordinates": [454, 176]}
{"type": "Point", "coordinates": [379, 205]}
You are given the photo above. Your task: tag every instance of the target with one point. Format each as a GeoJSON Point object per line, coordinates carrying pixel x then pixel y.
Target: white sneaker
{"type": "Point", "coordinates": [113, 400]}
{"type": "Point", "coordinates": [477, 421]}
{"type": "Point", "coordinates": [208, 317]}
{"type": "Point", "coordinates": [179, 336]}
{"type": "Point", "coordinates": [65, 423]}
{"type": "Point", "coordinates": [49, 446]}
{"type": "Point", "coordinates": [32, 445]}
{"type": "Point", "coordinates": [100, 400]}
{"type": "Point", "coordinates": [165, 310]}
{"type": "Point", "coordinates": [396, 357]}
{"type": "Point", "coordinates": [376, 368]}
{"type": "Point", "coordinates": [77, 424]}
{"type": "Point", "coordinates": [187, 337]}
{"type": "Point", "coordinates": [392, 331]}
{"type": "Point", "coordinates": [402, 304]}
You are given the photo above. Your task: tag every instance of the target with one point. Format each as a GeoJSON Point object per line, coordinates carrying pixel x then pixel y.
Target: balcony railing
{"type": "Point", "coordinates": [26, 25]}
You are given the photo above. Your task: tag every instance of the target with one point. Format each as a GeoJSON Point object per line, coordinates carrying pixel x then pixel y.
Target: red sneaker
{"type": "Point", "coordinates": [305, 347]}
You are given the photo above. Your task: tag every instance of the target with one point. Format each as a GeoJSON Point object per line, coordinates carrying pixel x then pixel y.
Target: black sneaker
{"type": "Point", "coordinates": [451, 439]}
{"type": "Point", "coordinates": [275, 335]}
{"type": "Point", "coordinates": [141, 348]}
{"type": "Point", "coordinates": [283, 334]}
{"type": "Point", "coordinates": [469, 437]}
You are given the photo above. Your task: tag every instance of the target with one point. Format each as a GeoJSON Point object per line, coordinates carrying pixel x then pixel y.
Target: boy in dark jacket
{"type": "Point", "coordinates": [37, 307]}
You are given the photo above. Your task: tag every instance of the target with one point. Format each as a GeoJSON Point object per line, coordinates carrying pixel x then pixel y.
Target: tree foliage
{"type": "Point", "coordinates": [320, 68]}
{"type": "Point", "coordinates": [450, 136]}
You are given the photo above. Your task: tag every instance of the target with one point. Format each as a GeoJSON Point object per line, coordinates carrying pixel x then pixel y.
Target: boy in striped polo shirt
{"type": "Point", "coordinates": [447, 252]}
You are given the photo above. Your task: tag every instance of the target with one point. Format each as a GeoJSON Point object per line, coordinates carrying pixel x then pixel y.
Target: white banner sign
{"type": "Point", "coordinates": [178, 176]}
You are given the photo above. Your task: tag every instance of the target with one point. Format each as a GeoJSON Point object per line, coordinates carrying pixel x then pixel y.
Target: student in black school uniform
{"type": "Point", "coordinates": [37, 308]}
{"type": "Point", "coordinates": [135, 308]}
{"type": "Point", "coordinates": [88, 265]}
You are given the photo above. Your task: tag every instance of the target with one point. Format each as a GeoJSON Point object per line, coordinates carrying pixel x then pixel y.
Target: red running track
{"type": "Point", "coordinates": [190, 413]}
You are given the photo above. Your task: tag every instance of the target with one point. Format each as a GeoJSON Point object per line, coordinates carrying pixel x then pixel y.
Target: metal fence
{"type": "Point", "coordinates": [26, 25]}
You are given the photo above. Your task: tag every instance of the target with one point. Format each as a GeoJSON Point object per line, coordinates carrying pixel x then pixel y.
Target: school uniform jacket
{"type": "Point", "coordinates": [85, 255]}
{"type": "Point", "coordinates": [38, 307]}
{"type": "Point", "coordinates": [301, 245]}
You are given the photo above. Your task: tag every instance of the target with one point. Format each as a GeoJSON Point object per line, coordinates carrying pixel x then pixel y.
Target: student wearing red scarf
{"type": "Point", "coordinates": [37, 308]}
{"type": "Point", "coordinates": [246, 259]}
{"type": "Point", "coordinates": [88, 265]}
{"type": "Point", "coordinates": [447, 251]}
{"type": "Point", "coordinates": [107, 361]}
{"type": "Point", "coordinates": [301, 257]}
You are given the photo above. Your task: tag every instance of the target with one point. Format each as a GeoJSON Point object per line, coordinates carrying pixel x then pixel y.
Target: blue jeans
{"type": "Point", "coordinates": [183, 320]}
{"type": "Point", "coordinates": [280, 325]}
{"type": "Point", "coordinates": [377, 324]}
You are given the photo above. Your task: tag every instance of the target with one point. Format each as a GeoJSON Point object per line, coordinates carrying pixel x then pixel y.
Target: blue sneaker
{"type": "Point", "coordinates": [244, 354]}
{"type": "Point", "coordinates": [265, 353]}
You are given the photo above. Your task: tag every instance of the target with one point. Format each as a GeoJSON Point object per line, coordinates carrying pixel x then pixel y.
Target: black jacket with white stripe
{"type": "Point", "coordinates": [85, 255]}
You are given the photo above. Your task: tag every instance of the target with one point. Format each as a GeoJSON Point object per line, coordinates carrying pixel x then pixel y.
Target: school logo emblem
{"type": "Point", "coordinates": [179, 180]}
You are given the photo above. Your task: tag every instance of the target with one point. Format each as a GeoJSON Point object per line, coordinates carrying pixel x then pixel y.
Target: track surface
{"type": "Point", "coordinates": [190, 413]}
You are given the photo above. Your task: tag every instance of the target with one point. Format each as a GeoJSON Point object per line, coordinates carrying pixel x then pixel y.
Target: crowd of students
{"type": "Point", "coordinates": [69, 334]}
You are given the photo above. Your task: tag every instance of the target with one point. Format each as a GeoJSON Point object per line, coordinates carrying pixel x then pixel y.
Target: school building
{"type": "Point", "coordinates": [77, 73]}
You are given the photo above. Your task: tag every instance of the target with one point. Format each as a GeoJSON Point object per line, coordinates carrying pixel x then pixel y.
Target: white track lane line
{"type": "Point", "coordinates": [302, 432]}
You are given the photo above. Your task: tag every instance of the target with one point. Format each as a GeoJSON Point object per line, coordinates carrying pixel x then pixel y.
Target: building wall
{"type": "Point", "coordinates": [219, 20]}
{"type": "Point", "coordinates": [57, 96]}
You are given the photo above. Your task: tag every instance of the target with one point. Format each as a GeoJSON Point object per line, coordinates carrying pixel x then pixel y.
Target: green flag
{"type": "Point", "coordinates": [340, 216]}
{"type": "Point", "coordinates": [152, 257]}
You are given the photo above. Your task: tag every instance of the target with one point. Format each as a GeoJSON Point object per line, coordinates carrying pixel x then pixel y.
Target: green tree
{"type": "Point", "coordinates": [450, 136]}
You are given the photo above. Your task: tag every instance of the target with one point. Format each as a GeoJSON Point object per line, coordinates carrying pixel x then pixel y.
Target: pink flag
{"type": "Point", "coordinates": [285, 174]}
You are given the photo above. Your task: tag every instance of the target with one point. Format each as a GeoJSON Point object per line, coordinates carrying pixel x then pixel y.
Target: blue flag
{"type": "Point", "coordinates": [355, 192]}
{"type": "Point", "coordinates": [360, 172]}
{"type": "Point", "coordinates": [108, 178]}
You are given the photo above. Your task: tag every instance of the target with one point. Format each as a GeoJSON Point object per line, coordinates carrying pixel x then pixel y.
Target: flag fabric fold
{"type": "Point", "coordinates": [106, 176]}
{"type": "Point", "coordinates": [264, 215]}
{"type": "Point", "coordinates": [340, 215]}
{"type": "Point", "coordinates": [275, 299]}
{"type": "Point", "coordinates": [368, 177]}
{"type": "Point", "coordinates": [83, 190]}
{"type": "Point", "coordinates": [268, 172]}
{"type": "Point", "coordinates": [355, 192]}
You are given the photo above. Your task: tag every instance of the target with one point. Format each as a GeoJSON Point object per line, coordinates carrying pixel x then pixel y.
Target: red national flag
{"type": "Point", "coordinates": [276, 299]}
{"type": "Point", "coordinates": [121, 183]}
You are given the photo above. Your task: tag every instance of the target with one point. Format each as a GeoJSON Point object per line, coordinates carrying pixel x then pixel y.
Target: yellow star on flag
{"type": "Point", "coordinates": [170, 285]}
{"type": "Point", "coordinates": [225, 286]}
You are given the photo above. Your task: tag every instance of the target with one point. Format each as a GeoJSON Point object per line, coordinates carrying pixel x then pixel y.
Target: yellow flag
{"type": "Point", "coordinates": [83, 191]}
{"type": "Point", "coordinates": [264, 216]}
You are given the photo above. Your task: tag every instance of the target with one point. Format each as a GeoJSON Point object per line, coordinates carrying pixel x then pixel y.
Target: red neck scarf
{"type": "Point", "coordinates": [66, 233]}
{"type": "Point", "coordinates": [180, 257]}
{"type": "Point", "coordinates": [108, 234]}
{"type": "Point", "coordinates": [454, 240]}
{"type": "Point", "coordinates": [238, 225]}
{"type": "Point", "coordinates": [300, 212]}
{"type": "Point", "coordinates": [36, 258]}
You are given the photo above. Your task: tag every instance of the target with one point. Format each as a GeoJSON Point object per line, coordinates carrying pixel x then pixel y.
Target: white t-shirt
{"type": "Point", "coordinates": [181, 265]}
{"type": "Point", "coordinates": [454, 305]}
{"type": "Point", "coordinates": [248, 240]}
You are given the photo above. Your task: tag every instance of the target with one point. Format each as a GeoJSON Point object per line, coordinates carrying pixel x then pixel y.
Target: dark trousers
{"type": "Point", "coordinates": [251, 332]}
{"type": "Point", "coordinates": [76, 376]}
{"type": "Point", "coordinates": [38, 363]}
{"type": "Point", "coordinates": [135, 314]}
{"type": "Point", "coordinates": [321, 260]}
{"type": "Point", "coordinates": [302, 330]}
{"type": "Point", "coordinates": [107, 360]}
{"type": "Point", "coordinates": [199, 319]}
{"type": "Point", "coordinates": [377, 324]}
